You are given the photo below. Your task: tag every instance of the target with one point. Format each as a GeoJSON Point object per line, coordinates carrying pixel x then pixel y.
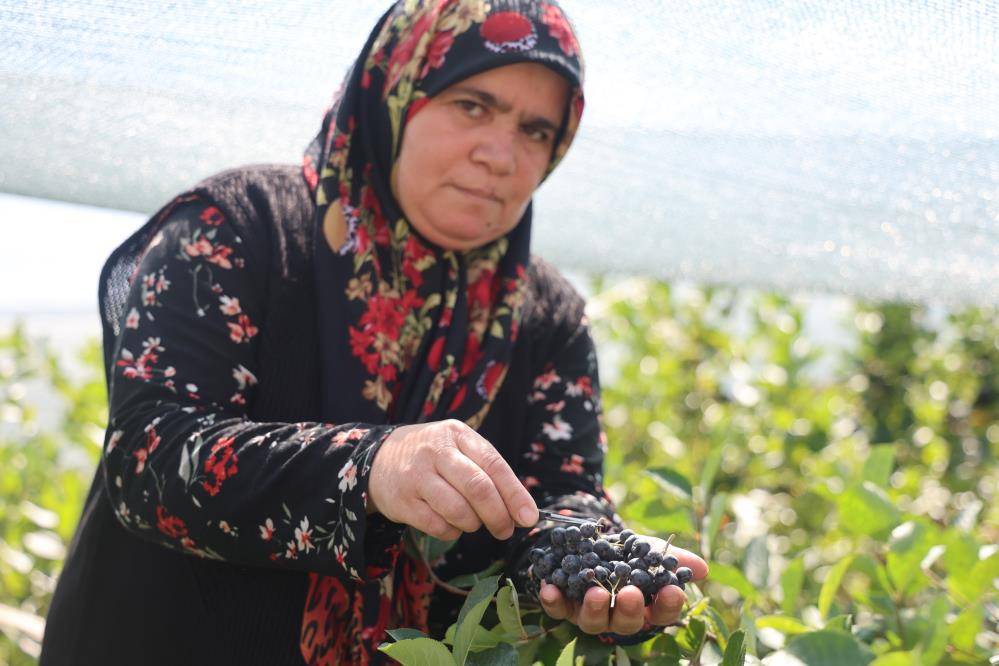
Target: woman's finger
{"type": "Point", "coordinates": [477, 488]}
{"type": "Point", "coordinates": [556, 605]}
{"type": "Point", "coordinates": [519, 503]}
{"type": "Point", "coordinates": [449, 504]}
{"type": "Point", "coordinates": [593, 615]}
{"type": "Point", "coordinates": [689, 559]}
{"type": "Point", "coordinates": [665, 608]}
{"type": "Point", "coordinates": [424, 518]}
{"type": "Point", "coordinates": [628, 614]}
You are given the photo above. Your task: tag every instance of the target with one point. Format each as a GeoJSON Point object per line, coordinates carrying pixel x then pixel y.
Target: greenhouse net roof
{"type": "Point", "coordinates": [850, 147]}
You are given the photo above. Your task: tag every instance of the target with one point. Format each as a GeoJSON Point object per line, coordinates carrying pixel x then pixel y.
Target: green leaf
{"type": "Point", "coordinates": [672, 482]}
{"type": "Point", "coordinates": [621, 657]}
{"type": "Point", "coordinates": [935, 639]}
{"type": "Point", "coordinates": [716, 624]}
{"type": "Point", "coordinates": [691, 637]}
{"type": "Point", "coordinates": [831, 585]}
{"type": "Point", "coordinates": [403, 634]}
{"type": "Point", "coordinates": [735, 651]}
{"type": "Point", "coordinates": [432, 548]}
{"type": "Point", "coordinates": [879, 463]}
{"type": "Point", "coordinates": [821, 648]}
{"type": "Point", "coordinates": [470, 616]}
{"type": "Point", "coordinates": [712, 521]}
{"type": "Point", "coordinates": [419, 652]}
{"type": "Point", "coordinates": [652, 516]}
{"type": "Point", "coordinates": [508, 610]}
{"type": "Point", "coordinates": [747, 624]}
{"type": "Point", "coordinates": [959, 560]}
{"type": "Point", "coordinates": [909, 543]}
{"type": "Point", "coordinates": [897, 659]}
{"type": "Point", "coordinates": [725, 574]}
{"type": "Point", "coordinates": [791, 582]}
{"type": "Point", "coordinates": [502, 654]}
{"type": "Point", "coordinates": [839, 623]}
{"type": "Point", "coordinates": [483, 639]}
{"type": "Point", "coordinates": [662, 650]}
{"type": "Point", "coordinates": [470, 579]}
{"type": "Point", "coordinates": [756, 563]}
{"type": "Point", "coordinates": [978, 581]}
{"type": "Point", "coordinates": [568, 656]}
{"type": "Point", "coordinates": [966, 627]}
{"type": "Point", "coordinates": [865, 509]}
{"type": "Point", "coordinates": [710, 470]}
{"type": "Point", "coordinates": [782, 623]}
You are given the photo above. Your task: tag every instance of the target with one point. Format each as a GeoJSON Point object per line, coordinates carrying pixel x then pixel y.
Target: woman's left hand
{"type": "Point", "coordinates": [594, 614]}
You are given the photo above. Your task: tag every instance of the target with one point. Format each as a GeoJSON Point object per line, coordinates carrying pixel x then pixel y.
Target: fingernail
{"type": "Point", "coordinates": [527, 517]}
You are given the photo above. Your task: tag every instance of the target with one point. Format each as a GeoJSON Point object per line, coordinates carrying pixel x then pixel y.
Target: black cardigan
{"type": "Point", "coordinates": [108, 609]}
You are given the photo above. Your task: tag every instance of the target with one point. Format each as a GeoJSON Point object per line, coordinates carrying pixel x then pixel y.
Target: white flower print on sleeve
{"type": "Point", "coordinates": [348, 476]}
{"type": "Point", "coordinates": [558, 429]}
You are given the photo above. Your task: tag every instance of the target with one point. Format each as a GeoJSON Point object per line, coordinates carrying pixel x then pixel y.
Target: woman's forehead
{"type": "Point", "coordinates": [528, 88]}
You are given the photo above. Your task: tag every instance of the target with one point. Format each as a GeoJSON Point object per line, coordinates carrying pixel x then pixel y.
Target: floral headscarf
{"type": "Point", "coordinates": [411, 332]}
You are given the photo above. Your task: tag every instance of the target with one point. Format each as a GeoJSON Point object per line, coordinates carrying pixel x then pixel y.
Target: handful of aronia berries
{"type": "Point", "coordinates": [579, 559]}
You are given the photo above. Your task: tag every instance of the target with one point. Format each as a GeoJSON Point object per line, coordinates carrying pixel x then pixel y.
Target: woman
{"type": "Point", "coordinates": [307, 361]}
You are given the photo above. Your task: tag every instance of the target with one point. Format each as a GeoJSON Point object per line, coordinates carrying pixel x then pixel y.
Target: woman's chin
{"type": "Point", "coordinates": [462, 235]}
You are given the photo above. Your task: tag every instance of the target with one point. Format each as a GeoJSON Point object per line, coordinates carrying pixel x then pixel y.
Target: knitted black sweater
{"type": "Point", "coordinates": [125, 598]}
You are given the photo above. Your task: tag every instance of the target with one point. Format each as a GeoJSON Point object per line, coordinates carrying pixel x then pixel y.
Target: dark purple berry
{"type": "Point", "coordinates": [628, 545]}
{"type": "Point", "coordinates": [622, 570]}
{"type": "Point", "coordinates": [536, 555]}
{"type": "Point", "coordinates": [588, 530]}
{"type": "Point", "coordinates": [637, 563]}
{"type": "Point", "coordinates": [684, 575]}
{"type": "Point", "coordinates": [670, 563]}
{"type": "Point", "coordinates": [558, 536]}
{"type": "Point", "coordinates": [642, 580]}
{"type": "Point", "coordinates": [604, 550]}
{"type": "Point", "coordinates": [590, 560]}
{"type": "Point", "coordinates": [661, 579]}
{"type": "Point", "coordinates": [625, 534]}
{"type": "Point", "coordinates": [571, 563]}
{"type": "Point", "coordinates": [584, 546]}
{"type": "Point", "coordinates": [654, 558]}
{"type": "Point", "coordinates": [587, 575]}
{"type": "Point", "coordinates": [572, 534]}
{"type": "Point", "coordinates": [600, 573]}
{"type": "Point", "coordinates": [560, 578]}
{"type": "Point", "coordinates": [550, 561]}
{"type": "Point", "coordinates": [570, 547]}
{"type": "Point", "coordinates": [641, 549]}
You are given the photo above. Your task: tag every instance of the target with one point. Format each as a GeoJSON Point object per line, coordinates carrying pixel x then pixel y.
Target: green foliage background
{"type": "Point", "coordinates": [845, 498]}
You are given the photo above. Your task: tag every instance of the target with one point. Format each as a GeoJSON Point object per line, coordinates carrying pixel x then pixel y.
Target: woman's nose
{"type": "Point", "coordinates": [495, 151]}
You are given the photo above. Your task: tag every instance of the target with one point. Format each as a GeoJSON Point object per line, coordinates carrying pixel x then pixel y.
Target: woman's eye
{"type": "Point", "coordinates": [472, 109]}
{"type": "Point", "coordinates": [538, 135]}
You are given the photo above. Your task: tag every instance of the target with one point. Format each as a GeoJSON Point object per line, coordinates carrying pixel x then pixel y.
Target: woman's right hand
{"type": "Point", "coordinates": [443, 478]}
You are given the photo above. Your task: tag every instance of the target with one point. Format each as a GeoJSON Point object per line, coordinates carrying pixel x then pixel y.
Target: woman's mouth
{"type": "Point", "coordinates": [479, 193]}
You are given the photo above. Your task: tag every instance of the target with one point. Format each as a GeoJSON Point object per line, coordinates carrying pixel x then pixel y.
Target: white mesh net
{"type": "Point", "coordinates": [850, 147]}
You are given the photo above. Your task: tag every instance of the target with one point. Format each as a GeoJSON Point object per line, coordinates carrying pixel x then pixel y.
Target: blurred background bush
{"type": "Point", "coordinates": [844, 494]}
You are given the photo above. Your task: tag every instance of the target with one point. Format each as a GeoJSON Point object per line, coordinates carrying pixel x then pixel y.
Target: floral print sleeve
{"type": "Point", "coordinates": [185, 466]}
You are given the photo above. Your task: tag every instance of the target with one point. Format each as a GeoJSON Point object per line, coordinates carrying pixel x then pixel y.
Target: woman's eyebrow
{"type": "Point", "coordinates": [490, 100]}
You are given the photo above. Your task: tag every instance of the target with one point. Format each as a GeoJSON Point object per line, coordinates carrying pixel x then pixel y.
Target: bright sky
{"type": "Point", "coordinates": [53, 253]}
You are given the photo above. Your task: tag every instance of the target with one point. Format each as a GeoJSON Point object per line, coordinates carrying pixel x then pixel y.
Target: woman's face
{"type": "Point", "coordinates": [471, 158]}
